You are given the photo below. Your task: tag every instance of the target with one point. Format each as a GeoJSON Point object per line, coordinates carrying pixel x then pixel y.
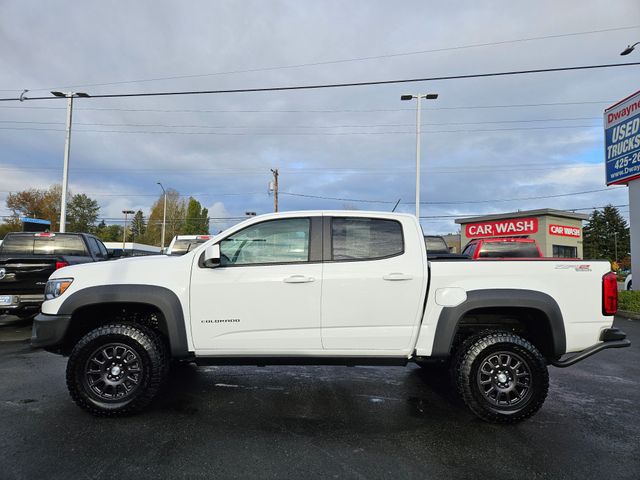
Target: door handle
{"type": "Point", "coordinates": [298, 279]}
{"type": "Point", "coordinates": [394, 277]}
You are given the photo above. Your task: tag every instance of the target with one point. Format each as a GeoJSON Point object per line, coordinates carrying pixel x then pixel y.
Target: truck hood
{"type": "Point", "coordinates": [125, 270]}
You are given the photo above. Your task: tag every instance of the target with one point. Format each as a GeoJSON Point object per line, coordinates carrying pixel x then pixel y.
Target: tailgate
{"type": "Point", "coordinates": [25, 275]}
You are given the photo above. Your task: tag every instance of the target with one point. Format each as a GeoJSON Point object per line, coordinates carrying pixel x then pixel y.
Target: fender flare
{"type": "Point", "coordinates": [160, 297]}
{"type": "Point", "coordinates": [497, 298]}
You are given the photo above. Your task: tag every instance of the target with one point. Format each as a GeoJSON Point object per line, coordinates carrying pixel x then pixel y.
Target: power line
{"type": "Point", "coordinates": [428, 124]}
{"type": "Point", "coordinates": [235, 110]}
{"type": "Point", "coordinates": [295, 134]}
{"type": "Point", "coordinates": [361, 172]}
{"type": "Point", "coordinates": [460, 215]}
{"type": "Point", "coordinates": [450, 203]}
{"type": "Point", "coordinates": [340, 85]}
{"type": "Point", "coordinates": [345, 60]}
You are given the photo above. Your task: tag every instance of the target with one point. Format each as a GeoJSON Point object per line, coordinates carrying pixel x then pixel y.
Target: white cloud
{"type": "Point", "coordinates": [231, 164]}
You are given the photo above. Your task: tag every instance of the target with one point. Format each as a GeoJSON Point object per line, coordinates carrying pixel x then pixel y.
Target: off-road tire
{"type": "Point", "coordinates": [142, 355]}
{"type": "Point", "coordinates": [526, 379]}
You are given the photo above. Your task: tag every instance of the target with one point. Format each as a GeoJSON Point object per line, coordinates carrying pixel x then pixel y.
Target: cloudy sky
{"type": "Point", "coordinates": [488, 143]}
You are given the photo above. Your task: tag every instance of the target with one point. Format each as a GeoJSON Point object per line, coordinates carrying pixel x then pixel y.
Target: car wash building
{"type": "Point", "coordinates": [558, 233]}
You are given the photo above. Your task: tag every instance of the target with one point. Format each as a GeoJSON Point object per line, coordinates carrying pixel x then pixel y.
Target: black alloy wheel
{"type": "Point", "coordinates": [117, 369]}
{"type": "Point", "coordinates": [113, 372]}
{"type": "Point", "coordinates": [501, 376]}
{"type": "Point", "coordinates": [504, 379]}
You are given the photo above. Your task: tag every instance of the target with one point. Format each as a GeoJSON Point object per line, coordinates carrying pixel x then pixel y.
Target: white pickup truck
{"type": "Point", "coordinates": [327, 287]}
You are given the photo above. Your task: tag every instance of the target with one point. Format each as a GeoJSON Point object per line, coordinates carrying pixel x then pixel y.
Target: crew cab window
{"type": "Point", "coordinates": [94, 247]}
{"type": "Point", "coordinates": [274, 241]}
{"type": "Point", "coordinates": [365, 238]}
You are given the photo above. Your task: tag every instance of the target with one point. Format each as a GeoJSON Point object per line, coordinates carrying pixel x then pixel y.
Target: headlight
{"type": "Point", "coordinates": [56, 287]}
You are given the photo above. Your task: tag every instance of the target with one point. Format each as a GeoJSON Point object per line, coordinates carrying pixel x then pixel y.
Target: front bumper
{"type": "Point", "coordinates": [22, 304]}
{"type": "Point", "coordinates": [49, 330]}
{"type": "Point", "coordinates": [610, 338]}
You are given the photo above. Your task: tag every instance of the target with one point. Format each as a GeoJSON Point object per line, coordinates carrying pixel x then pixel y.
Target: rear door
{"type": "Point", "coordinates": [373, 285]}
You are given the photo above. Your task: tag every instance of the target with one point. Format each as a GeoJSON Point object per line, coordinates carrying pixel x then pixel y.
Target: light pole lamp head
{"type": "Point", "coordinates": [128, 212]}
{"type": "Point", "coordinates": [431, 96]}
{"type": "Point", "coordinates": [406, 97]}
{"type": "Point", "coordinates": [629, 49]}
{"type": "Point", "coordinates": [70, 94]}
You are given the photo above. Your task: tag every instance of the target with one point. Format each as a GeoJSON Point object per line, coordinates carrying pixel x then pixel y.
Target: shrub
{"type": "Point", "coordinates": [629, 301]}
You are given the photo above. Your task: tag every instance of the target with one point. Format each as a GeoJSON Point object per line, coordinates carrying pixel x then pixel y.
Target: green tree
{"type": "Point", "coordinates": [176, 213]}
{"type": "Point", "coordinates": [82, 213]}
{"type": "Point", "coordinates": [6, 228]}
{"type": "Point", "coordinates": [197, 220]}
{"type": "Point", "coordinates": [138, 226]}
{"type": "Point", "coordinates": [606, 234]}
{"type": "Point", "coordinates": [109, 233]}
{"type": "Point", "coordinates": [35, 203]}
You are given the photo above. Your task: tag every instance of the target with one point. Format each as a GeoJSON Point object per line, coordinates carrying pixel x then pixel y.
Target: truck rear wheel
{"type": "Point", "coordinates": [501, 377]}
{"type": "Point", "coordinates": [116, 369]}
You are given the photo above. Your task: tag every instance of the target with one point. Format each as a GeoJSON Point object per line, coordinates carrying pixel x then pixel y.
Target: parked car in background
{"type": "Point", "coordinates": [436, 244]}
{"type": "Point", "coordinates": [182, 244]}
{"type": "Point", "coordinates": [437, 248]}
{"type": "Point", "coordinates": [502, 248]}
{"type": "Point", "coordinates": [627, 283]}
{"type": "Point", "coordinates": [28, 259]}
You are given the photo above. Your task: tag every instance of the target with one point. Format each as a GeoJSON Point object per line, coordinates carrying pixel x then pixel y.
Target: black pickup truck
{"type": "Point", "coordinates": [27, 260]}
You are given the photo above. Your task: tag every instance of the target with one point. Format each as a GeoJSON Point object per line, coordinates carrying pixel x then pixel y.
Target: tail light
{"type": "Point", "coordinates": [61, 264]}
{"type": "Point", "coordinates": [609, 294]}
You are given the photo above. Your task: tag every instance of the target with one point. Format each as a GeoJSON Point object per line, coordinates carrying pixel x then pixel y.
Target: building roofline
{"type": "Point", "coordinates": [524, 213]}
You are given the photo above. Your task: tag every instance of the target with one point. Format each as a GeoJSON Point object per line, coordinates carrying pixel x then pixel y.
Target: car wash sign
{"type": "Point", "coordinates": [622, 140]}
{"type": "Point", "coordinates": [502, 228]}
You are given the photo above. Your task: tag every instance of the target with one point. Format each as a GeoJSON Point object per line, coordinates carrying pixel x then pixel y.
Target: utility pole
{"type": "Point", "coordinates": [67, 149]}
{"type": "Point", "coordinates": [275, 189]}
{"type": "Point", "coordinates": [124, 231]}
{"type": "Point", "coordinates": [164, 215]}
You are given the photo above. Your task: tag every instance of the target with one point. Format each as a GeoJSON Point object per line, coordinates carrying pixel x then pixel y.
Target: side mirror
{"type": "Point", "coordinates": [211, 256]}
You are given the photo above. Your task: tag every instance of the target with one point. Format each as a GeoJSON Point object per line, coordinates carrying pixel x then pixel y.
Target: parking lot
{"type": "Point", "coordinates": [318, 422]}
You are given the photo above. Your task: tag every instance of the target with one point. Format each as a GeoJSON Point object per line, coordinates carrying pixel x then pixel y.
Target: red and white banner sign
{"type": "Point", "coordinates": [502, 228]}
{"type": "Point", "coordinates": [565, 231]}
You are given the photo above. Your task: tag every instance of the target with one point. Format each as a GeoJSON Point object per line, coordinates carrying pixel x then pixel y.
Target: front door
{"type": "Point", "coordinates": [264, 298]}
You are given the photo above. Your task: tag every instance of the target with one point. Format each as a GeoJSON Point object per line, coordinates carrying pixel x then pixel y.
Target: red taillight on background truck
{"type": "Point", "coordinates": [59, 265]}
{"type": "Point", "coordinates": [609, 294]}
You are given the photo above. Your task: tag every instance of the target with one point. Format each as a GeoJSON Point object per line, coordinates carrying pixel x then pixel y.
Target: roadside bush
{"type": "Point", "coordinates": [629, 301]}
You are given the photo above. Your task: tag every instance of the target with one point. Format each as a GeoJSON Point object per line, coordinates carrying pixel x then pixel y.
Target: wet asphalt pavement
{"type": "Point", "coordinates": [319, 422]}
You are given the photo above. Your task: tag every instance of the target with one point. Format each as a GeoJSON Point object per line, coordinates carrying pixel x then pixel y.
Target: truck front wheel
{"type": "Point", "coordinates": [501, 377]}
{"type": "Point", "coordinates": [116, 369]}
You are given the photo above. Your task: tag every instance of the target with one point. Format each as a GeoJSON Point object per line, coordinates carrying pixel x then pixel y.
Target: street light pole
{"type": "Point", "coordinates": [67, 149]}
{"type": "Point", "coordinates": [124, 231]}
{"type": "Point", "coordinates": [164, 215]}
{"type": "Point", "coordinates": [615, 245]}
{"type": "Point", "coordinates": [419, 97]}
